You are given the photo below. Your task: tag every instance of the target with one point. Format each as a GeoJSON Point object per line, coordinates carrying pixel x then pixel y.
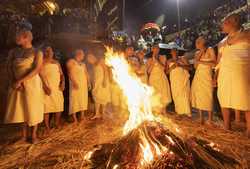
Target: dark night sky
{"type": "Point", "coordinates": [139, 12]}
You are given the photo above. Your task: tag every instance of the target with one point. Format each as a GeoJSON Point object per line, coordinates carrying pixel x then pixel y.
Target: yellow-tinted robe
{"type": "Point", "coordinates": [234, 76]}
{"type": "Point", "coordinates": [159, 81]}
{"type": "Point", "coordinates": [25, 105]}
{"type": "Point", "coordinates": [55, 101]}
{"type": "Point", "coordinates": [180, 87]}
{"type": "Point", "coordinates": [101, 90]}
{"type": "Point", "coordinates": [78, 98]}
{"type": "Point", "coordinates": [202, 87]}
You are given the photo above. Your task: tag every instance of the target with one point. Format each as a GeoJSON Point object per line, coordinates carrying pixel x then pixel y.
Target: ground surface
{"type": "Point", "coordinates": [67, 147]}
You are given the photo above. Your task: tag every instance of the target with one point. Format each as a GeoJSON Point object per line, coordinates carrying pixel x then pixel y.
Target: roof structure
{"type": "Point", "coordinates": [52, 6]}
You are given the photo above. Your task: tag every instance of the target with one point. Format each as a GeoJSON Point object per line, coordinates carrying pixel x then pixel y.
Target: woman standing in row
{"type": "Point", "coordinates": [158, 79]}
{"type": "Point", "coordinates": [53, 85]}
{"type": "Point", "coordinates": [78, 87]}
{"type": "Point", "coordinates": [25, 101]}
{"type": "Point", "coordinates": [178, 68]}
{"type": "Point", "coordinates": [202, 85]}
{"type": "Point", "coordinates": [101, 87]}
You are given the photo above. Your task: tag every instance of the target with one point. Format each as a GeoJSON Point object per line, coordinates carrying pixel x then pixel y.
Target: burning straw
{"type": "Point", "coordinates": [167, 151]}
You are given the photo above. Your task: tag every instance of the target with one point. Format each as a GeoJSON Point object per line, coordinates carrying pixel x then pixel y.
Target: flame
{"type": "Point", "coordinates": [138, 95]}
{"type": "Point", "coordinates": [147, 152]}
{"type": "Point", "coordinates": [140, 99]}
{"type": "Point", "coordinates": [170, 139]}
{"type": "Point", "coordinates": [116, 166]}
{"type": "Point", "coordinates": [177, 130]}
{"type": "Point", "coordinates": [88, 155]}
{"type": "Point", "coordinates": [157, 150]}
{"type": "Point", "coordinates": [214, 146]}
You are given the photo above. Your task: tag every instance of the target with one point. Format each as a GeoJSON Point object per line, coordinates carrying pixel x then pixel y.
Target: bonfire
{"type": "Point", "coordinates": [146, 142]}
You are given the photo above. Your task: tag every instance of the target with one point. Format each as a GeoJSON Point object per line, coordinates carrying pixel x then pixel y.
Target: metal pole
{"type": "Point", "coordinates": [179, 15]}
{"type": "Point", "coordinates": [123, 14]}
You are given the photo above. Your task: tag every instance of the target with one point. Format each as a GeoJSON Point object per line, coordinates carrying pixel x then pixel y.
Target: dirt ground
{"type": "Point", "coordinates": [66, 147]}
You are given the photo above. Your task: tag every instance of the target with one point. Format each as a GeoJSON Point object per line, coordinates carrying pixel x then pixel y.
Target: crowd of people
{"type": "Point", "coordinates": [203, 29]}
{"type": "Point", "coordinates": [222, 11]}
{"type": "Point", "coordinates": [37, 81]}
{"type": "Point", "coordinates": [201, 26]}
{"type": "Point", "coordinates": [230, 6]}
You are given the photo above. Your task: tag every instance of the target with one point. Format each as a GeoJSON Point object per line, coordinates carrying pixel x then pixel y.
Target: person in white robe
{"type": "Point", "coordinates": [78, 85]}
{"type": "Point", "coordinates": [233, 70]}
{"type": "Point", "coordinates": [158, 80]}
{"type": "Point", "coordinates": [53, 85]}
{"type": "Point", "coordinates": [178, 68]}
{"type": "Point", "coordinates": [117, 97]}
{"type": "Point", "coordinates": [202, 85]}
{"type": "Point", "coordinates": [101, 85]}
{"type": "Point", "coordinates": [25, 101]}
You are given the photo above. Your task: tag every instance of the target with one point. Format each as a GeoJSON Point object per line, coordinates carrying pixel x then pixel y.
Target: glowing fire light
{"type": "Point", "coordinates": [177, 130]}
{"type": "Point", "coordinates": [115, 166]}
{"type": "Point", "coordinates": [214, 146]}
{"type": "Point", "coordinates": [140, 100]}
{"type": "Point", "coordinates": [139, 95]}
{"type": "Point", "coordinates": [157, 149]}
{"type": "Point", "coordinates": [147, 153]}
{"type": "Point", "coordinates": [88, 155]}
{"type": "Point", "coordinates": [170, 140]}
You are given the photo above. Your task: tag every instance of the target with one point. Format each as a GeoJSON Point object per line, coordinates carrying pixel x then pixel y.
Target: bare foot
{"type": "Point", "coordinates": [46, 133]}
{"type": "Point", "coordinates": [22, 140]}
{"type": "Point", "coordinates": [226, 128]}
{"type": "Point", "coordinates": [188, 116]}
{"type": "Point", "coordinates": [202, 122]}
{"type": "Point", "coordinates": [82, 119]}
{"type": "Point", "coordinates": [75, 123]}
{"type": "Point", "coordinates": [210, 123]}
{"type": "Point", "coordinates": [96, 117]}
{"type": "Point", "coordinates": [59, 126]}
{"type": "Point", "coordinates": [248, 134]}
{"type": "Point", "coordinates": [35, 140]}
